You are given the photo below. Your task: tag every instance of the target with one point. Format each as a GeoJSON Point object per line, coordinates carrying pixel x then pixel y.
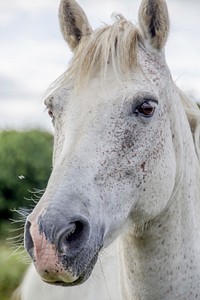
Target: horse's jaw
{"type": "Point", "coordinates": [164, 260]}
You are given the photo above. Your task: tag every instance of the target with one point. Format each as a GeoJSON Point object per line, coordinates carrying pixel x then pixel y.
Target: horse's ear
{"type": "Point", "coordinates": [73, 22]}
{"type": "Point", "coordinates": [154, 22]}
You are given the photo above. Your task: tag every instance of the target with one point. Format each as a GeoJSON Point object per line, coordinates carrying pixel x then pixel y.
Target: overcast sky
{"type": "Point", "coordinates": [33, 53]}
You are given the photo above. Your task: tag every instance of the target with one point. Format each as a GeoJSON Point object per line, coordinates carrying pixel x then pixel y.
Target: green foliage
{"type": "Point", "coordinates": [11, 271]}
{"type": "Point", "coordinates": [25, 165]}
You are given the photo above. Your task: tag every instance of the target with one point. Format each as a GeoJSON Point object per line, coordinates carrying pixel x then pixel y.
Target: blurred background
{"type": "Point", "coordinates": [32, 55]}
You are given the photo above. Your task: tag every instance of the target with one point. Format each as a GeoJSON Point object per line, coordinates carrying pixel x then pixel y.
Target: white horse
{"type": "Point", "coordinates": [125, 163]}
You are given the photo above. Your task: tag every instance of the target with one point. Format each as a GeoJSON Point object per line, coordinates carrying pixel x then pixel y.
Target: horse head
{"type": "Point", "coordinates": [114, 144]}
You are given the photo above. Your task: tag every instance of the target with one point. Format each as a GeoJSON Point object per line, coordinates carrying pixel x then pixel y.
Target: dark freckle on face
{"type": "Point", "coordinates": [143, 166]}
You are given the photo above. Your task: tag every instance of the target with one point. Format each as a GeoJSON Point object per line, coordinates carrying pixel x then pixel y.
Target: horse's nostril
{"type": "Point", "coordinates": [73, 238]}
{"type": "Point", "coordinates": [28, 241]}
{"type": "Point", "coordinates": [75, 232]}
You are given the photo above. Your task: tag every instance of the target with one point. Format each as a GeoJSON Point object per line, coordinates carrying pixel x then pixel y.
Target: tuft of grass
{"type": "Point", "coordinates": [12, 269]}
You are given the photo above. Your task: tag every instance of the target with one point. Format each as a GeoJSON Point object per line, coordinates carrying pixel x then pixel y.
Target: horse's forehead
{"type": "Point", "coordinates": [149, 76]}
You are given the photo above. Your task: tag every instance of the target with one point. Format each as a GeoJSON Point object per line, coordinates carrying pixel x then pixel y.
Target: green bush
{"type": "Point", "coordinates": [25, 165]}
{"type": "Point", "coordinates": [12, 269]}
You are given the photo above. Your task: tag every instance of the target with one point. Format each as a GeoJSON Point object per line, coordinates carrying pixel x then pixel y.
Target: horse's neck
{"type": "Point", "coordinates": [165, 262]}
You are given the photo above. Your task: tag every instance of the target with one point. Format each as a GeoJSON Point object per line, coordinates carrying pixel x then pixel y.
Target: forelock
{"type": "Point", "coordinates": [114, 44]}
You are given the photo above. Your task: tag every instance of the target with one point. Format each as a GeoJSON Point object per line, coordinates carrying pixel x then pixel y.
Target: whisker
{"type": "Point", "coordinates": [104, 278]}
{"type": "Point", "coordinates": [16, 234]}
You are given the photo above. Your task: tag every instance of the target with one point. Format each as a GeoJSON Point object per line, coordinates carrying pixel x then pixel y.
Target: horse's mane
{"type": "Point", "coordinates": [114, 44]}
{"type": "Point", "coordinates": [193, 115]}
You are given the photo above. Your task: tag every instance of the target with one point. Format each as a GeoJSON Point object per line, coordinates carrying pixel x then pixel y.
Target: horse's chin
{"type": "Point", "coordinates": [74, 281]}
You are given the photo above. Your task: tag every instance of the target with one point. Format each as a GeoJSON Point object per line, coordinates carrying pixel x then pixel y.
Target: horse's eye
{"type": "Point", "coordinates": [146, 109]}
